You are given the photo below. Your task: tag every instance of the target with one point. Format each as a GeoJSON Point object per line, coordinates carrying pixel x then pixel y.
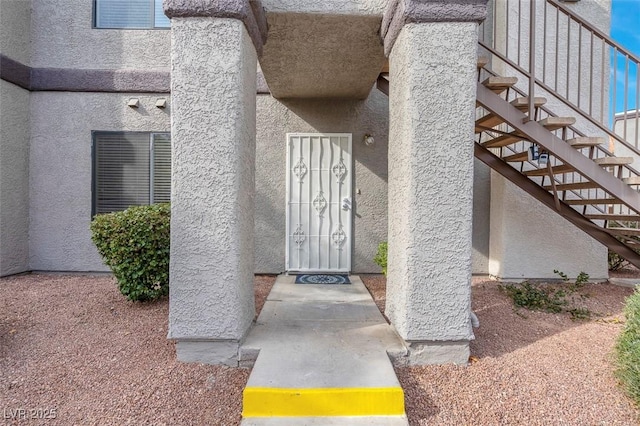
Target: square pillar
{"type": "Point", "coordinates": [213, 132]}
{"type": "Point", "coordinates": [432, 102]}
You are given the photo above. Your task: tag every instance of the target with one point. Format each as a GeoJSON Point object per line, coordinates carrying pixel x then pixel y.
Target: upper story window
{"type": "Point", "coordinates": [133, 14]}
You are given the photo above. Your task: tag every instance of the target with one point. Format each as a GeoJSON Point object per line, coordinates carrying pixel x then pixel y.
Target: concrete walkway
{"type": "Point", "coordinates": [321, 356]}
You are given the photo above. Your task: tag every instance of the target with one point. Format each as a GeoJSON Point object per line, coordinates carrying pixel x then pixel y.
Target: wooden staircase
{"type": "Point", "coordinates": [580, 179]}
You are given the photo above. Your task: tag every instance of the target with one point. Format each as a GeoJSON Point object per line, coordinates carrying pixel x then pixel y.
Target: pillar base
{"type": "Point", "coordinates": [430, 352]}
{"type": "Point", "coordinates": [216, 352]}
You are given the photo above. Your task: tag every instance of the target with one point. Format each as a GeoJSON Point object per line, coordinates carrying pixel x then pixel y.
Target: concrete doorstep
{"type": "Point", "coordinates": [320, 356]}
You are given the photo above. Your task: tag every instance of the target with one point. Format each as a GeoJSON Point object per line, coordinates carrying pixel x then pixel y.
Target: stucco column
{"type": "Point", "coordinates": [213, 89]}
{"type": "Point", "coordinates": [432, 101]}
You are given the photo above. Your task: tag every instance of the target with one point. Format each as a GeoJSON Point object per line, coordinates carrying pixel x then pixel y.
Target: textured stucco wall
{"type": "Point", "coordinates": [14, 179]}
{"type": "Point", "coordinates": [322, 56]}
{"type": "Point", "coordinates": [60, 178]}
{"type": "Point", "coordinates": [63, 37]}
{"type": "Point", "coordinates": [276, 118]}
{"type": "Point", "coordinates": [431, 183]}
{"type": "Point", "coordinates": [212, 211]}
{"type": "Point", "coordinates": [627, 125]}
{"type": "Point", "coordinates": [352, 7]}
{"type": "Point", "coordinates": [15, 27]}
{"type": "Point", "coordinates": [528, 240]}
{"type": "Point", "coordinates": [481, 218]}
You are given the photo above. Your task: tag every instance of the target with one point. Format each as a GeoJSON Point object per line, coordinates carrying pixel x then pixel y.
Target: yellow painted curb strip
{"type": "Point", "coordinates": [277, 402]}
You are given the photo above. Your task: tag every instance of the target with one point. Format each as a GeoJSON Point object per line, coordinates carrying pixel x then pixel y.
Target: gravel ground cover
{"type": "Point", "coordinates": [73, 344]}
{"type": "Point", "coordinates": [527, 368]}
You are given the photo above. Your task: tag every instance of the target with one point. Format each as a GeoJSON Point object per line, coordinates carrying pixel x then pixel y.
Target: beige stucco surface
{"type": "Point", "coordinates": [322, 56]}
{"type": "Point", "coordinates": [15, 27]}
{"type": "Point", "coordinates": [431, 185]}
{"type": "Point", "coordinates": [528, 240]}
{"type": "Point", "coordinates": [212, 196]}
{"type": "Point", "coordinates": [14, 179]}
{"type": "Point", "coordinates": [58, 244]}
{"type": "Point", "coordinates": [73, 43]}
{"type": "Point", "coordinates": [274, 119]}
{"type": "Point", "coordinates": [60, 165]}
{"type": "Point", "coordinates": [481, 218]}
{"type": "Point", "coordinates": [351, 7]}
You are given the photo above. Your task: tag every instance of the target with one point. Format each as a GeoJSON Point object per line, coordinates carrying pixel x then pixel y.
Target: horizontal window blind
{"type": "Point", "coordinates": [161, 168]}
{"type": "Point", "coordinates": [125, 13]}
{"type": "Point", "coordinates": [121, 170]}
{"type": "Point", "coordinates": [130, 169]}
{"type": "Point", "coordinates": [161, 20]}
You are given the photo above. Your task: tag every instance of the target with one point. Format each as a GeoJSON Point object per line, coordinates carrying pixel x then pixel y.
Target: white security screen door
{"type": "Point", "coordinates": [319, 202]}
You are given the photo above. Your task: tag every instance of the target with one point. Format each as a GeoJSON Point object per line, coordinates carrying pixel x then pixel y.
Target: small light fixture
{"type": "Point", "coordinates": [161, 103]}
{"type": "Point", "coordinates": [368, 140]}
{"type": "Point", "coordinates": [543, 159]}
{"type": "Point", "coordinates": [133, 102]}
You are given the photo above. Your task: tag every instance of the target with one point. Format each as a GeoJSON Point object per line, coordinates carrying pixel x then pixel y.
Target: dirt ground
{"type": "Point", "coordinates": [74, 351]}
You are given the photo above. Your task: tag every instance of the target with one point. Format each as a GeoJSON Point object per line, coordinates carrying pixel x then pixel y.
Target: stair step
{"type": "Point", "coordinates": [503, 140]}
{"type": "Point", "coordinates": [516, 158]}
{"type": "Point", "coordinates": [327, 421]}
{"type": "Point", "coordinates": [564, 168]}
{"type": "Point", "coordinates": [615, 217]}
{"type": "Point", "coordinates": [522, 103]}
{"type": "Point", "coordinates": [491, 120]}
{"type": "Point", "coordinates": [624, 231]}
{"type": "Point", "coordinates": [572, 186]}
{"type": "Point", "coordinates": [592, 201]}
{"type": "Point", "coordinates": [585, 142]}
{"type": "Point", "coordinates": [633, 180]}
{"type": "Point", "coordinates": [613, 161]}
{"type": "Point", "coordinates": [555, 123]}
{"type": "Point", "coordinates": [299, 369]}
{"type": "Point", "coordinates": [482, 61]}
{"type": "Point", "coordinates": [499, 84]}
{"type": "Point", "coordinates": [549, 123]}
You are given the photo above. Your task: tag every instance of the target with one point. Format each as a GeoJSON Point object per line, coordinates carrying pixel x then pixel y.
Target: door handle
{"type": "Point", "coordinates": [346, 204]}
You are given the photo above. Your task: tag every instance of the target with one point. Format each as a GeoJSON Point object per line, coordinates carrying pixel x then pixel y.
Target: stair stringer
{"type": "Point", "coordinates": [534, 132]}
{"type": "Point", "coordinates": [546, 198]}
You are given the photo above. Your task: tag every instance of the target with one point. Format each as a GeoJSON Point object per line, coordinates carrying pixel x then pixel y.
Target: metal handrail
{"type": "Point", "coordinates": [593, 29]}
{"type": "Point", "coordinates": [554, 26]}
{"type": "Point", "coordinates": [632, 171]}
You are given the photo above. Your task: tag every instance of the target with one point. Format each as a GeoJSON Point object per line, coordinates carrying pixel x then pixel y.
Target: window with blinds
{"type": "Point", "coordinates": [133, 14]}
{"type": "Point", "coordinates": [130, 169]}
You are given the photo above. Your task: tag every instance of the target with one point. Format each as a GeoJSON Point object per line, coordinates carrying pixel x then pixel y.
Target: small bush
{"type": "Point", "coordinates": [551, 298]}
{"type": "Point", "coordinates": [135, 244]}
{"type": "Point", "coordinates": [529, 296]}
{"type": "Point", "coordinates": [381, 257]}
{"type": "Point", "coordinates": [616, 262]}
{"type": "Point", "coordinates": [627, 349]}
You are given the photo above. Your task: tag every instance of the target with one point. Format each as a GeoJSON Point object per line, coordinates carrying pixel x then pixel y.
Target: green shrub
{"type": "Point", "coordinates": [135, 244]}
{"type": "Point", "coordinates": [559, 298]}
{"type": "Point", "coordinates": [616, 262]}
{"type": "Point", "coordinates": [535, 298]}
{"type": "Point", "coordinates": [627, 349]}
{"type": "Point", "coordinates": [381, 257]}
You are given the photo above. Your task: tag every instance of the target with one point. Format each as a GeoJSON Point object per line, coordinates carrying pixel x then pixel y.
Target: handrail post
{"type": "Point", "coordinates": [532, 59]}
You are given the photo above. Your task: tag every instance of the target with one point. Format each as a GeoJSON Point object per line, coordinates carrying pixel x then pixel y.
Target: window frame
{"type": "Point", "coordinates": [94, 20]}
{"type": "Point", "coordinates": [94, 163]}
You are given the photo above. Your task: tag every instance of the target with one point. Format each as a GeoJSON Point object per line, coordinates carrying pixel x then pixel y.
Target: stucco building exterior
{"type": "Point", "coordinates": [257, 98]}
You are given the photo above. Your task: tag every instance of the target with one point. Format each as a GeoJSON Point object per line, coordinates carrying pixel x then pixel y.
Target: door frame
{"type": "Point", "coordinates": [347, 268]}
